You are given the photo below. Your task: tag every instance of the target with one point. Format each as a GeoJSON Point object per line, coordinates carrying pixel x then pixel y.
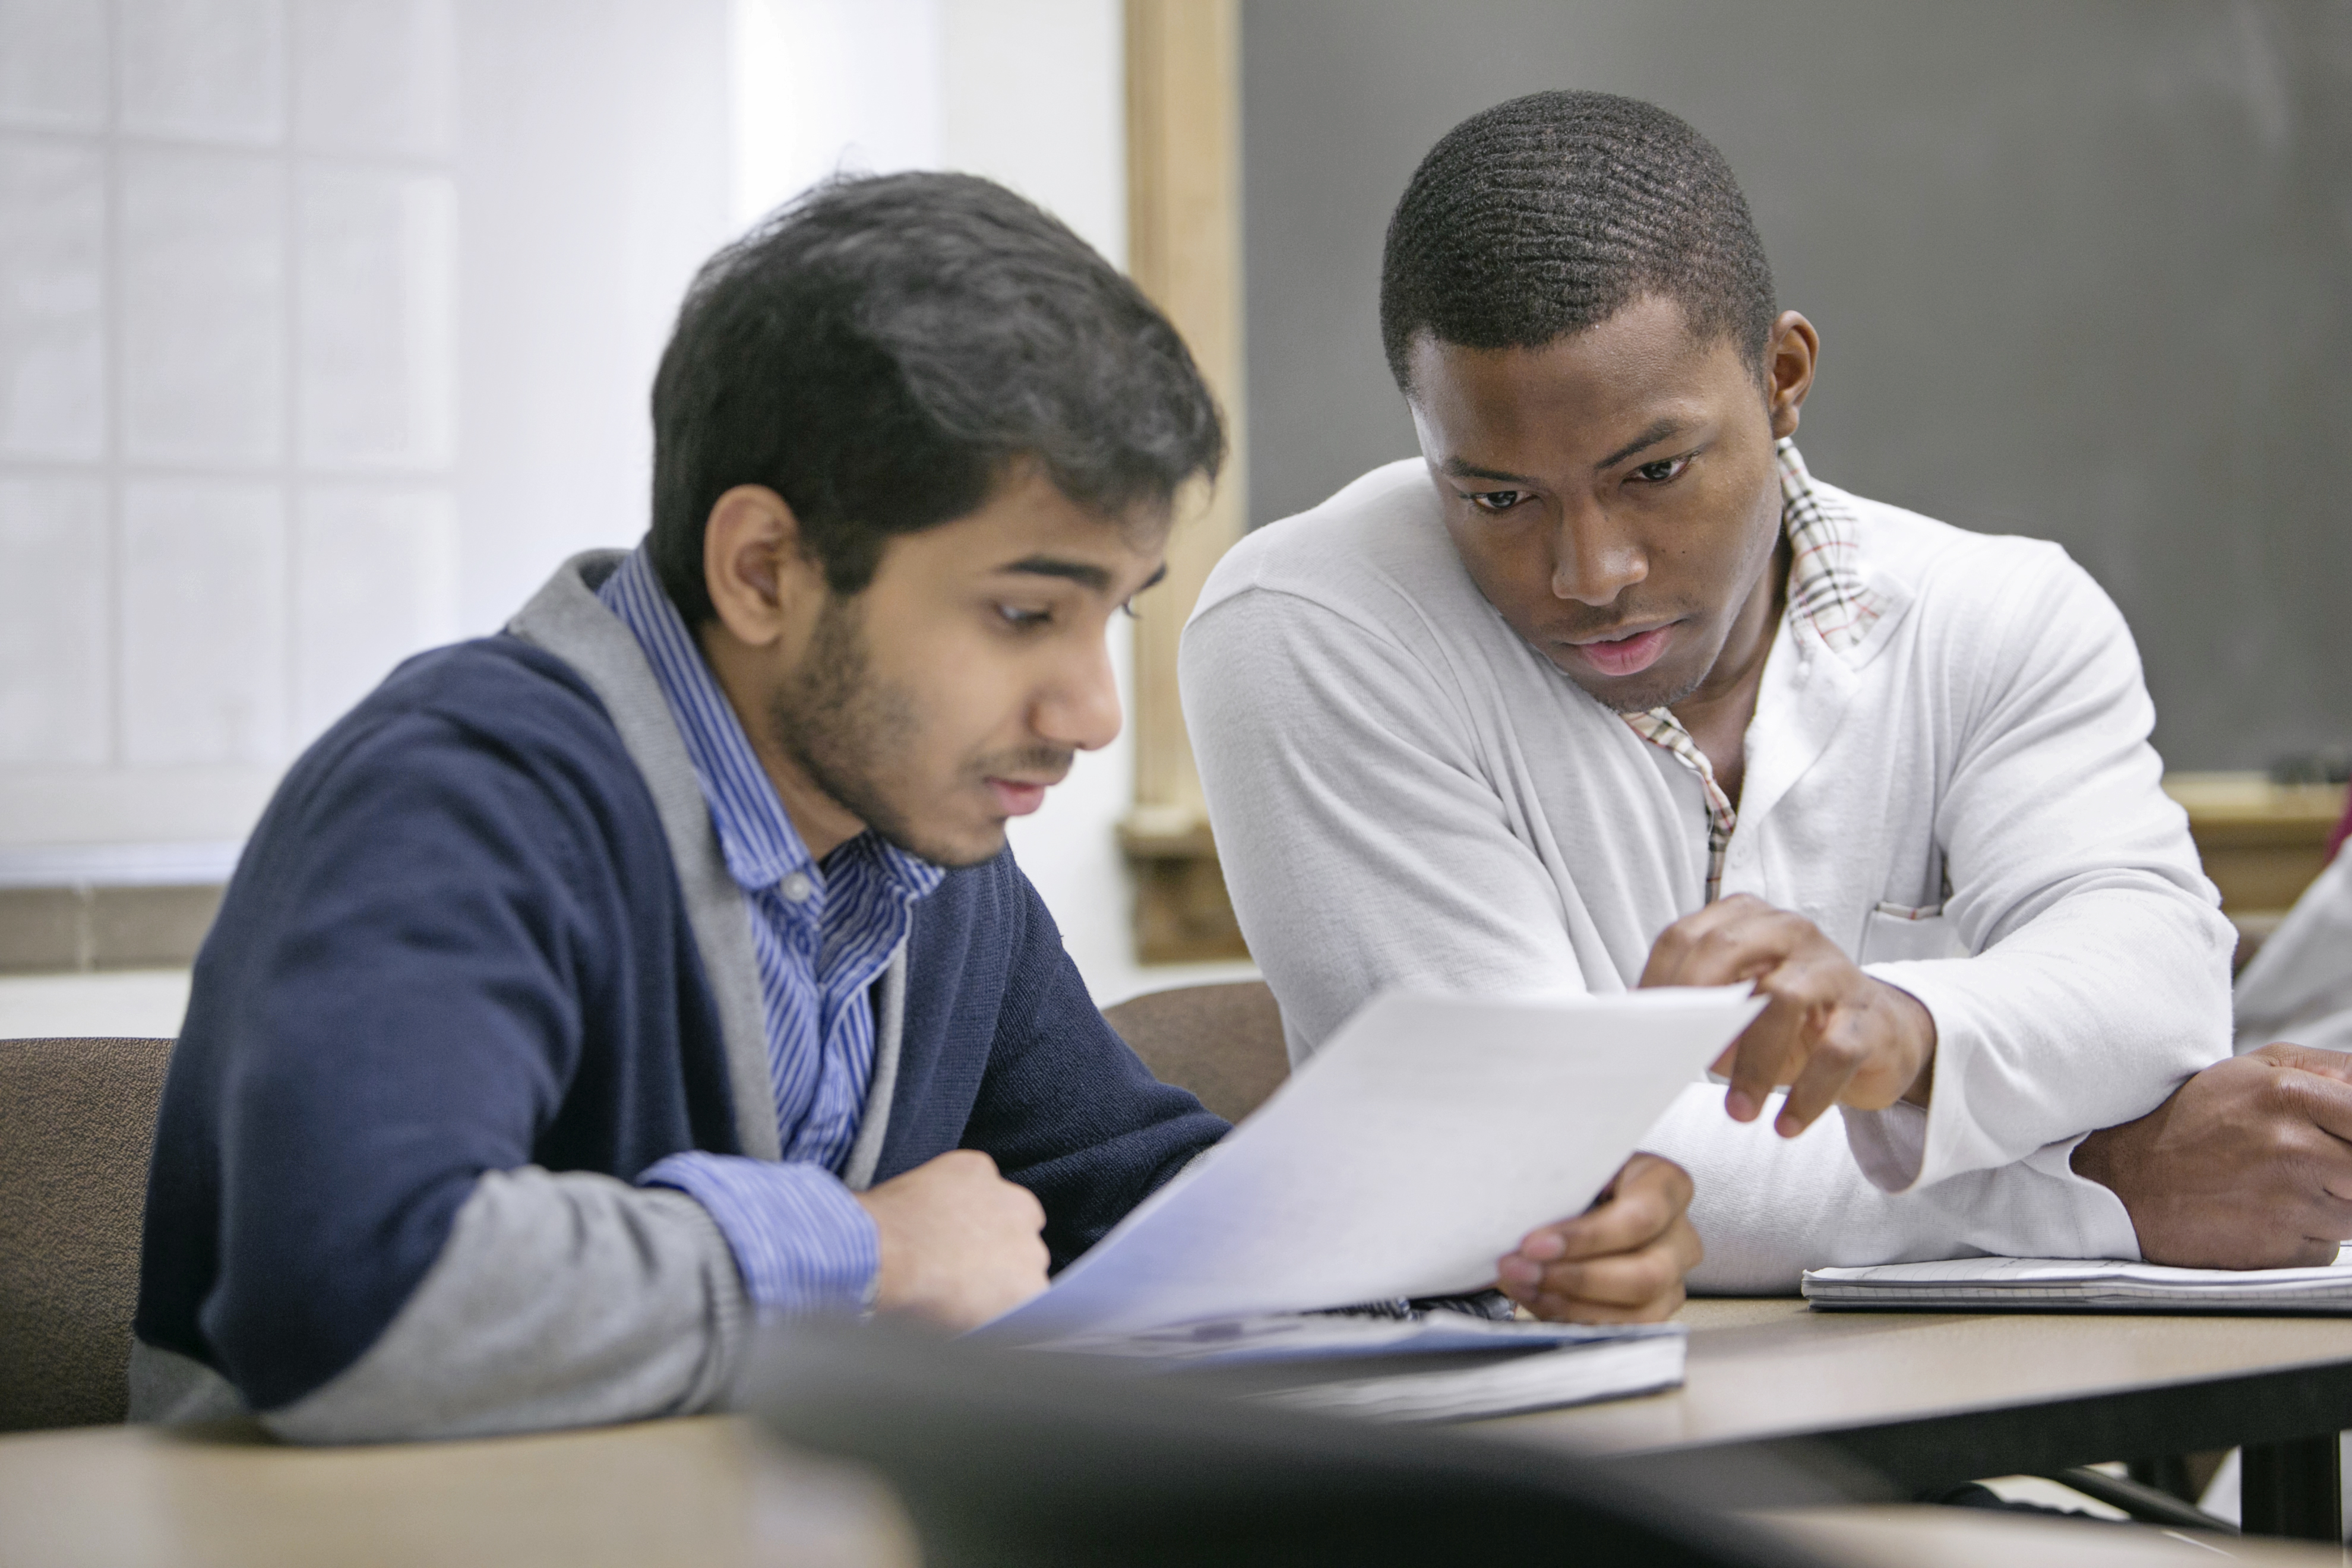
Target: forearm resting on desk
{"type": "Point", "coordinates": [2244, 1166]}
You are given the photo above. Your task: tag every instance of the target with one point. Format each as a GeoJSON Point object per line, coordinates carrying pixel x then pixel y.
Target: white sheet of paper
{"type": "Point", "coordinates": [1421, 1143]}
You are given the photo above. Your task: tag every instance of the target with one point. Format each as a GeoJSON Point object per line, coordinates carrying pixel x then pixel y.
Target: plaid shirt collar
{"type": "Point", "coordinates": [1825, 592]}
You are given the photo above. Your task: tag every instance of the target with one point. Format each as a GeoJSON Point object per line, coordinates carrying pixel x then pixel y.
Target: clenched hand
{"type": "Point", "coordinates": [2247, 1165]}
{"type": "Point", "coordinates": [959, 1243]}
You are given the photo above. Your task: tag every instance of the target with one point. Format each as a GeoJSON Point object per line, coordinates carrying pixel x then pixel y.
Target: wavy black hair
{"type": "Point", "coordinates": [1547, 215]}
{"type": "Point", "coordinates": [879, 352]}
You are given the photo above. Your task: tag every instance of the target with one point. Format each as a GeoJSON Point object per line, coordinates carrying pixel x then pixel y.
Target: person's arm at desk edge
{"type": "Point", "coordinates": [349, 1220]}
{"type": "Point", "coordinates": [2247, 1165]}
{"type": "Point", "coordinates": [382, 1033]}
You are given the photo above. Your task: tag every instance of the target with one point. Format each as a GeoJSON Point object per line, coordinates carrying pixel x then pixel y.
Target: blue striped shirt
{"type": "Point", "coordinates": [822, 934]}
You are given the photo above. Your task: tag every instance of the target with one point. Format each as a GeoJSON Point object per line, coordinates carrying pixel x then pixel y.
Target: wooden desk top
{"type": "Point", "coordinates": [1769, 1370]}
{"type": "Point", "coordinates": [711, 1491]}
{"type": "Point", "coordinates": [707, 1491]}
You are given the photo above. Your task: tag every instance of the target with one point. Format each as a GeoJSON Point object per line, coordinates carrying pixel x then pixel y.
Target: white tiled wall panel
{"type": "Point", "coordinates": [53, 64]}
{"type": "Point", "coordinates": [52, 298]}
{"type": "Point", "coordinates": [376, 76]}
{"type": "Point", "coordinates": [375, 579]}
{"type": "Point", "coordinates": [203, 575]}
{"type": "Point", "coordinates": [202, 259]}
{"type": "Point", "coordinates": [211, 70]}
{"type": "Point", "coordinates": [377, 321]}
{"type": "Point", "coordinates": [53, 622]}
{"type": "Point", "coordinates": [232, 493]}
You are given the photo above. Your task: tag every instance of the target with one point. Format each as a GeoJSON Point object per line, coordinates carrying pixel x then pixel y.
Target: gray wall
{"type": "Point", "coordinates": [2082, 270]}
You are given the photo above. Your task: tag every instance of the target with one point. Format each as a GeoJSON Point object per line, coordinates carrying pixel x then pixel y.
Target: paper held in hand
{"type": "Point", "coordinates": [1415, 1149]}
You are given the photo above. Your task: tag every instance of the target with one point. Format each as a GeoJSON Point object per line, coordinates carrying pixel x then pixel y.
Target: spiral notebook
{"type": "Point", "coordinates": [2079, 1285]}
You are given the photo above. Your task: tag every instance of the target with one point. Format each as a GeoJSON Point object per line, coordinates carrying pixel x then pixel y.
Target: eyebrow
{"type": "Point", "coordinates": [1656, 433]}
{"type": "Point", "coordinates": [1085, 573]}
{"type": "Point", "coordinates": [1462, 470]}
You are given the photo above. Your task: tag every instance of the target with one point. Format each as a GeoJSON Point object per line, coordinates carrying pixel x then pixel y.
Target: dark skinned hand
{"type": "Point", "coordinates": [1620, 1261]}
{"type": "Point", "coordinates": [1830, 1033]}
{"type": "Point", "coordinates": [2247, 1165]}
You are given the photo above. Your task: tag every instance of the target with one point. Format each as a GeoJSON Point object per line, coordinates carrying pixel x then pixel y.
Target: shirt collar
{"type": "Point", "coordinates": [1825, 587]}
{"type": "Point", "coordinates": [756, 836]}
{"type": "Point", "coordinates": [1825, 592]}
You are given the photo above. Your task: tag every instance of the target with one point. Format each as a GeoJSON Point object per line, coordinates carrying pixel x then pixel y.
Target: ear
{"type": "Point", "coordinates": [1794, 348]}
{"type": "Point", "coordinates": [760, 580]}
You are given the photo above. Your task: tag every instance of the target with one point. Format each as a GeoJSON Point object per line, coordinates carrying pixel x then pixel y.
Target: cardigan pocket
{"type": "Point", "coordinates": [1894, 932]}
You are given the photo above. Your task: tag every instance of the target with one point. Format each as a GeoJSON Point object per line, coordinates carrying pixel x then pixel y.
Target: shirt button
{"type": "Point", "coordinates": [797, 888]}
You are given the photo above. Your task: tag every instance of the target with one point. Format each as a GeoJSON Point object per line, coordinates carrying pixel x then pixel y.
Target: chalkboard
{"type": "Point", "coordinates": [2082, 270]}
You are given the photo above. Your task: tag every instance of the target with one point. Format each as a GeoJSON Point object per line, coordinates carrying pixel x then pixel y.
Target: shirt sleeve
{"type": "Point", "coordinates": [1361, 846]}
{"type": "Point", "coordinates": [1771, 1207]}
{"type": "Point", "coordinates": [803, 1244]}
{"type": "Point", "coordinates": [2098, 974]}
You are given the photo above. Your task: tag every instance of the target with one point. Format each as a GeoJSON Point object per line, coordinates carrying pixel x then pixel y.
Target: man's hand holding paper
{"type": "Point", "coordinates": [1620, 1261]}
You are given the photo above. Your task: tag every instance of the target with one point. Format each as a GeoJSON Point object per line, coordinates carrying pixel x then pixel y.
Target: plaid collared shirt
{"type": "Point", "coordinates": [1825, 592]}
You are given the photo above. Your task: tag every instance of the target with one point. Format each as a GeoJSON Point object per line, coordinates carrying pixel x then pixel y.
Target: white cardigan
{"type": "Point", "coordinates": [1404, 792]}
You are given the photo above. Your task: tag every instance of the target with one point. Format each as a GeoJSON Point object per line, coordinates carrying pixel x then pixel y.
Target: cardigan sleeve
{"type": "Point", "coordinates": [383, 1026]}
{"type": "Point", "coordinates": [1064, 1108]}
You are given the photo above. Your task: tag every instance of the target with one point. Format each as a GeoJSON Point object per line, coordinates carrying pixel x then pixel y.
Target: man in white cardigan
{"type": "Point", "coordinates": [1606, 689]}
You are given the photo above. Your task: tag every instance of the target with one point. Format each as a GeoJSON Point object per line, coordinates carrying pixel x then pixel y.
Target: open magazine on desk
{"type": "Point", "coordinates": [1426, 1138]}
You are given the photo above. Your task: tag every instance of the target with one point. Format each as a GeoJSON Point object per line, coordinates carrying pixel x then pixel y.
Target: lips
{"type": "Point", "coordinates": [1628, 655]}
{"type": "Point", "coordinates": [1016, 798]}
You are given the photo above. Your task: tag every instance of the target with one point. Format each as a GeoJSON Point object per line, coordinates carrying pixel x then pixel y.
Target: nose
{"type": "Point", "coordinates": [1594, 556]}
{"type": "Point", "coordinates": [1079, 708]}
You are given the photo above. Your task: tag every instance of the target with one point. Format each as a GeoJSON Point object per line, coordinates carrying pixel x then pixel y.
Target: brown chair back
{"type": "Point", "coordinates": [1222, 1042]}
{"type": "Point", "coordinates": [77, 1124]}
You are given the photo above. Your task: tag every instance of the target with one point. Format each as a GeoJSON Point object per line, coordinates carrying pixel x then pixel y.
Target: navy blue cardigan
{"type": "Point", "coordinates": [456, 943]}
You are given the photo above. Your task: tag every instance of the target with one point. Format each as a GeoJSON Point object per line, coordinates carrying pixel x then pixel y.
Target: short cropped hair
{"type": "Point", "coordinates": [883, 350]}
{"type": "Point", "coordinates": [1547, 215]}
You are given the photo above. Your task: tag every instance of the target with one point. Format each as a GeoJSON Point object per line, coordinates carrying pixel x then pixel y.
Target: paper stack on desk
{"type": "Point", "coordinates": [1419, 1145]}
{"type": "Point", "coordinates": [2095, 1285]}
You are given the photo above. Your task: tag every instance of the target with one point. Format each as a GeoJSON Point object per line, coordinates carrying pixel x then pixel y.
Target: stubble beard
{"type": "Point", "coordinates": [1663, 694]}
{"type": "Point", "coordinates": [853, 735]}
{"type": "Point", "coordinates": [848, 732]}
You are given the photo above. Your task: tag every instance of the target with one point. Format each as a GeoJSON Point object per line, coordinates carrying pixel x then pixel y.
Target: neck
{"type": "Point", "coordinates": [822, 823]}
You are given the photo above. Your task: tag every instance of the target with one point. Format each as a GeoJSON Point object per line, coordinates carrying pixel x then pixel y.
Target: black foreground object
{"type": "Point", "coordinates": [1005, 1457]}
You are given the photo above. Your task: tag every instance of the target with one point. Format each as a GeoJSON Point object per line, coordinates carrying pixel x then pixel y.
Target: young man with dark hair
{"type": "Point", "coordinates": [1608, 690]}
{"type": "Point", "coordinates": [596, 987]}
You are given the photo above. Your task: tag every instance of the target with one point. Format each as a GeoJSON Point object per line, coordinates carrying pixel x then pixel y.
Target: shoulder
{"type": "Point", "coordinates": [490, 738]}
{"type": "Point", "coordinates": [498, 697]}
{"type": "Point", "coordinates": [1986, 610]}
{"type": "Point", "coordinates": [1376, 553]}
{"type": "Point", "coordinates": [1369, 575]}
{"type": "Point", "coordinates": [1928, 561]}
